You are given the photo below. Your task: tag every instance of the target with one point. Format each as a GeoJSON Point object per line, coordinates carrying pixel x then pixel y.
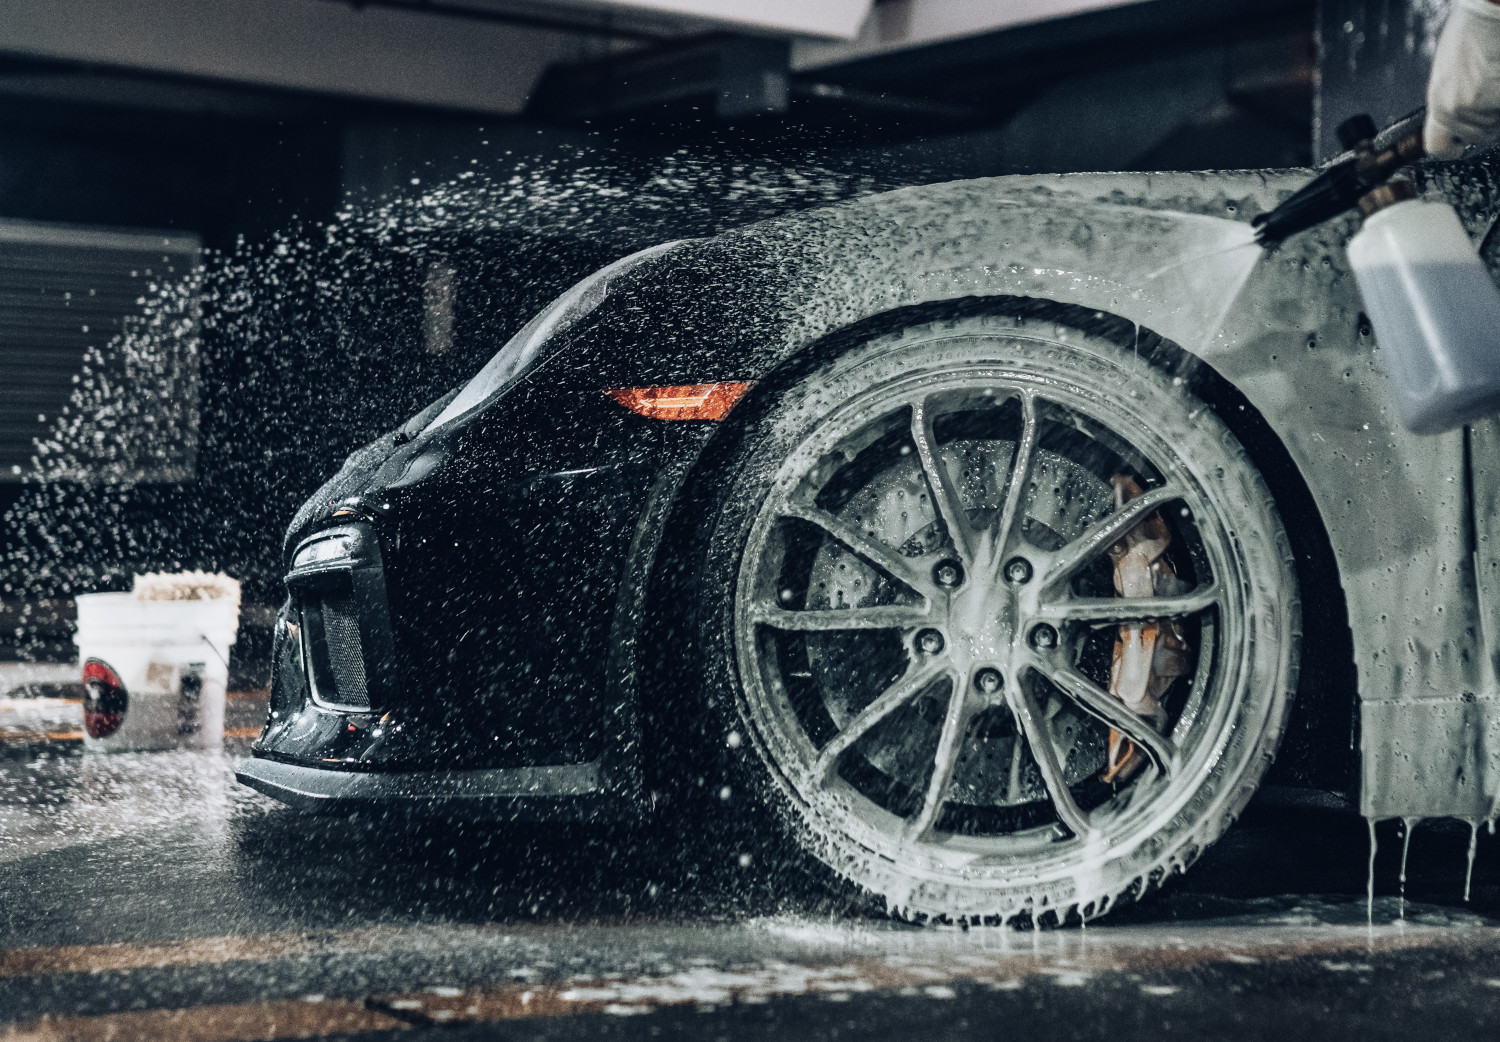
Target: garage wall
{"type": "Point", "coordinates": [1373, 56]}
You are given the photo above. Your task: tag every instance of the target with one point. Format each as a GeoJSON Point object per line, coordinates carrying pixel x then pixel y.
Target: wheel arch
{"type": "Point", "coordinates": [1324, 712]}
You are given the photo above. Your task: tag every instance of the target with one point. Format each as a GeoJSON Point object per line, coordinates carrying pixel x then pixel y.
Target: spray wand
{"type": "Point", "coordinates": [1431, 300]}
{"type": "Point", "coordinates": [1341, 186]}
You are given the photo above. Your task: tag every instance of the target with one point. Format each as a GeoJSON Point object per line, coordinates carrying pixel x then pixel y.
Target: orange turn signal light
{"type": "Point", "coordinates": [686, 402]}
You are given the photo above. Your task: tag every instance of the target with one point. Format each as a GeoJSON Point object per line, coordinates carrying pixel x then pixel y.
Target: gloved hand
{"type": "Point", "coordinates": [1463, 95]}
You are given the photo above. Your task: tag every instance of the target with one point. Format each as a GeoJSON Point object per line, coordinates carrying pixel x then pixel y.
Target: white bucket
{"type": "Point", "coordinates": [165, 645]}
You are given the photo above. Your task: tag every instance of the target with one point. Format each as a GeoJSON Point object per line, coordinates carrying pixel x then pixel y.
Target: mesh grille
{"type": "Point", "coordinates": [346, 660]}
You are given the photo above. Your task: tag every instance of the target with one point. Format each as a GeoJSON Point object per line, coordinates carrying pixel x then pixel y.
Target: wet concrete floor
{"type": "Point", "coordinates": [149, 896]}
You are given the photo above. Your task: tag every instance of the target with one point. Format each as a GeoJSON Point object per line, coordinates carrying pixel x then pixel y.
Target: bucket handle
{"type": "Point", "coordinates": [215, 650]}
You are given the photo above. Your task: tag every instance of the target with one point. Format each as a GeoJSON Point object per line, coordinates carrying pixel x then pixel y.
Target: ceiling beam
{"type": "Point", "coordinates": [373, 53]}
{"type": "Point", "coordinates": [900, 25]}
{"type": "Point", "coordinates": [840, 19]}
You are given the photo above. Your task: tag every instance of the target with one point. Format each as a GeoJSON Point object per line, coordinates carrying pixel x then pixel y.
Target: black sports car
{"type": "Point", "coordinates": [968, 533]}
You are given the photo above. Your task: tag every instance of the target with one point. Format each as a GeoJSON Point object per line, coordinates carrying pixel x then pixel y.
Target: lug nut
{"type": "Point", "coordinates": [1018, 570]}
{"type": "Point", "coordinates": [930, 642]}
{"type": "Point", "coordinates": [989, 680]}
{"type": "Point", "coordinates": [948, 573]}
{"type": "Point", "coordinates": [1044, 636]}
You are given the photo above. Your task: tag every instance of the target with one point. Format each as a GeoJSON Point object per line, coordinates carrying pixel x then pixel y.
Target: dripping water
{"type": "Point", "coordinates": [1370, 878]}
{"type": "Point", "coordinates": [1407, 824]}
{"type": "Point", "coordinates": [1469, 873]}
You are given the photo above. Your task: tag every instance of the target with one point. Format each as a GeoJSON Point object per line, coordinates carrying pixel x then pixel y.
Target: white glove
{"type": "Point", "coordinates": [1463, 95]}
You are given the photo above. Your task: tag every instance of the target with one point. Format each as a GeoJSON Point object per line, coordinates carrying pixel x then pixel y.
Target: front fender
{"type": "Point", "coordinates": [1284, 327]}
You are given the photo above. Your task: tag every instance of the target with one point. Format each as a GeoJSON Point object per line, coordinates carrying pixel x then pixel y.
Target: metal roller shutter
{"type": "Point", "coordinates": [66, 289]}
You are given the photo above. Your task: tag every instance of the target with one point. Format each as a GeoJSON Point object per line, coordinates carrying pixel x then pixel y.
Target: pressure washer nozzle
{"type": "Point", "coordinates": [1339, 188]}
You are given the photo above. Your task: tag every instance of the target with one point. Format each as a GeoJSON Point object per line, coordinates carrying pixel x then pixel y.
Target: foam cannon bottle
{"type": "Point", "coordinates": [1435, 309]}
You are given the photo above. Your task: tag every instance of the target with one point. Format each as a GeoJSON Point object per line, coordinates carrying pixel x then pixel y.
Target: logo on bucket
{"type": "Point", "coordinates": [104, 699]}
{"type": "Point", "coordinates": [189, 699]}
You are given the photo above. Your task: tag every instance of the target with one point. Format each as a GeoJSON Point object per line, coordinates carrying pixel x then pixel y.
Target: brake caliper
{"type": "Point", "coordinates": [1151, 654]}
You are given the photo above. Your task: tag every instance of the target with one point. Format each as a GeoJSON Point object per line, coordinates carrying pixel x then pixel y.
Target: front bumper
{"type": "Point", "coordinates": [335, 683]}
{"type": "Point", "coordinates": [339, 706]}
{"type": "Point", "coordinates": [468, 635]}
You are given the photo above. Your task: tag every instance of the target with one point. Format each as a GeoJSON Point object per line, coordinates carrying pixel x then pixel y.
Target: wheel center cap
{"type": "Point", "coordinates": [983, 622]}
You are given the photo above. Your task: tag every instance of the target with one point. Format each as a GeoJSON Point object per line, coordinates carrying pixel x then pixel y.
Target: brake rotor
{"type": "Point", "coordinates": [994, 768]}
{"type": "Point", "coordinates": [1149, 655]}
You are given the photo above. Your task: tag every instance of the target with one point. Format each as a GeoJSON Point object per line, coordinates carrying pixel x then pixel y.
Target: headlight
{"type": "Point", "coordinates": [330, 548]}
{"type": "Point", "coordinates": [523, 349]}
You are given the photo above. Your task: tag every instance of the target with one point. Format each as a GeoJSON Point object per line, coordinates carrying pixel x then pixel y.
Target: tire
{"type": "Point", "coordinates": [837, 632]}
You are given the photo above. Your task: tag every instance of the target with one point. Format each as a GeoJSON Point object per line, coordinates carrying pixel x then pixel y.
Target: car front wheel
{"type": "Point", "coordinates": [1002, 620]}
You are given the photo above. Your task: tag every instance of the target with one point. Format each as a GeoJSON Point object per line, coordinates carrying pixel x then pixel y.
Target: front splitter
{"type": "Point", "coordinates": [561, 792]}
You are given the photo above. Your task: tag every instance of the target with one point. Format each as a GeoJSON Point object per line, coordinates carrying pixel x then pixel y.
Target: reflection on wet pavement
{"type": "Point", "coordinates": [148, 895]}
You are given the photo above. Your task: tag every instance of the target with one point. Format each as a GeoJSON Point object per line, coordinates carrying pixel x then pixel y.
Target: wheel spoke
{"type": "Point", "coordinates": [876, 553]}
{"type": "Point", "coordinates": [1106, 532]}
{"type": "Point", "coordinates": [945, 759]}
{"type": "Point", "coordinates": [1098, 702]}
{"type": "Point", "coordinates": [1020, 471]}
{"type": "Point", "coordinates": [944, 495]}
{"type": "Point", "coordinates": [1105, 610]}
{"type": "Point", "coordinates": [908, 686]}
{"type": "Point", "coordinates": [824, 620]}
{"type": "Point", "coordinates": [1039, 741]}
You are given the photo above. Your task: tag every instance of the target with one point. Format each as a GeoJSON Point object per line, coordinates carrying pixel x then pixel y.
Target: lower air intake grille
{"type": "Point", "coordinates": [337, 653]}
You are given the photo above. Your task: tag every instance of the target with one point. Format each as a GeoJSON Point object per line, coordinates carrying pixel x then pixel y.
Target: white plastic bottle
{"type": "Point", "coordinates": [1435, 309]}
